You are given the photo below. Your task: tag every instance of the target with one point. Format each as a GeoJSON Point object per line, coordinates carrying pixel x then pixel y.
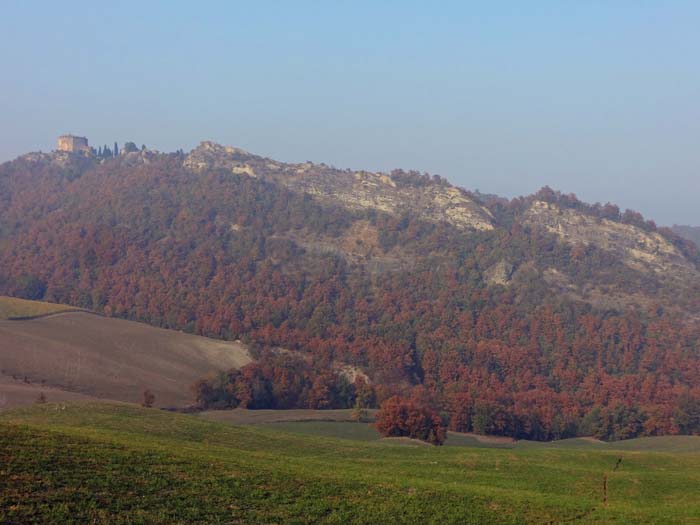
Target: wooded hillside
{"type": "Point", "coordinates": [518, 330]}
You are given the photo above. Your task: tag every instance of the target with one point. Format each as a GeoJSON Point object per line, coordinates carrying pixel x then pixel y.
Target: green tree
{"type": "Point", "coordinates": [31, 287]}
{"type": "Point", "coordinates": [129, 147]}
{"type": "Point", "coordinates": [687, 414]}
{"type": "Point", "coordinates": [359, 414]}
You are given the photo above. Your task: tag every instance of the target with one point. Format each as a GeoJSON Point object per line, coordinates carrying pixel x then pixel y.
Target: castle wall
{"type": "Point", "coordinates": [72, 144]}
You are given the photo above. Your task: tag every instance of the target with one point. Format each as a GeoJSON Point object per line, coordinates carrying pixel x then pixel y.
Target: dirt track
{"type": "Point", "coordinates": [241, 416]}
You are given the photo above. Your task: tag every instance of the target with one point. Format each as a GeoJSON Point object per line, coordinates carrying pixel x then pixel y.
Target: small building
{"type": "Point", "coordinates": [73, 144]}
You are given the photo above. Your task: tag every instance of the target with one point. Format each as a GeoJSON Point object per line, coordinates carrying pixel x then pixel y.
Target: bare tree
{"type": "Point", "coordinates": [148, 399]}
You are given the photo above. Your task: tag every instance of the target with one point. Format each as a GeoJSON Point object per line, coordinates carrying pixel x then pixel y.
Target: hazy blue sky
{"type": "Point", "coordinates": [600, 98]}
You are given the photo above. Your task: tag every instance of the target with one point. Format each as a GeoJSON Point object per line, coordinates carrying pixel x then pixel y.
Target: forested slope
{"type": "Point", "coordinates": [540, 317]}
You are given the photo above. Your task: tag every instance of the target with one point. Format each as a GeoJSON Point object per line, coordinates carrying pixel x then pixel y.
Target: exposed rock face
{"type": "Point", "coordinates": [639, 249]}
{"type": "Point", "coordinates": [352, 373]}
{"type": "Point", "coordinates": [59, 159]}
{"type": "Point", "coordinates": [354, 190]}
{"type": "Point", "coordinates": [499, 273]}
{"type": "Point", "coordinates": [381, 192]}
{"type": "Point", "coordinates": [209, 155]}
{"type": "Point", "coordinates": [40, 156]}
{"type": "Point", "coordinates": [134, 158]}
{"type": "Point", "coordinates": [615, 263]}
{"type": "Point", "coordinates": [647, 254]}
{"type": "Point", "coordinates": [66, 159]}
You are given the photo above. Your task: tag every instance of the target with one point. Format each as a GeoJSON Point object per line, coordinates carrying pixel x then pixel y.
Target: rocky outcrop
{"type": "Point", "coordinates": [639, 249]}
{"type": "Point", "coordinates": [209, 155]}
{"type": "Point", "coordinates": [499, 273]}
{"type": "Point", "coordinates": [361, 189]}
{"type": "Point", "coordinates": [435, 202]}
{"type": "Point", "coordinates": [59, 159]}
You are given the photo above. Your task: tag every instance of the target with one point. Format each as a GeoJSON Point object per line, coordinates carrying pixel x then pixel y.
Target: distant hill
{"type": "Point", "coordinates": [692, 233]}
{"type": "Point", "coordinates": [78, 355]}
{"type": "Point", "coordinates": [540, 317]}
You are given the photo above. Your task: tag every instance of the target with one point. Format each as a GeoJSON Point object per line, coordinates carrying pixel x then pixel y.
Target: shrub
{"type": "Point", "coordinates": [148, 399]}
{"type": "Point", "coordinates": [400, 417]}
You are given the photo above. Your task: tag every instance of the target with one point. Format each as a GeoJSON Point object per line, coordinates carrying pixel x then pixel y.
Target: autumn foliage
{"type": "Point", "coordinates": [400, 417]}
{"type": "Point", "coordinates": [281, 381]}
{"type": "Point", "coordinates": [233, 257]}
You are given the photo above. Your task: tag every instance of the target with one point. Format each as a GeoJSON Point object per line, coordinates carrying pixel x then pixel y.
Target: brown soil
{"type": "Point", "coordinates": [15, 392]}
{"type": "Point", "coordinates": [82, 353]}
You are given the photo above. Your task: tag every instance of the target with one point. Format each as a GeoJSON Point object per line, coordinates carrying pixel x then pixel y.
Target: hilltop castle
{"type": "Point", "coordinates": [73, 144]}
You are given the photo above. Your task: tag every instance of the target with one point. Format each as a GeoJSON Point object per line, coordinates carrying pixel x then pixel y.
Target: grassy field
{"type": "Point", "coordinates": [241, 416]}
{"type": "Point", "coordinates": [358, 432]}
{"type": "Point", "coordinates": [11, 307]}
{"type": "Point", "coordinates": [333, 429]}
{"type": "Point", "coordinates": [366, 432]}
{"type": "Point", "coordinates": [102, 463]}
{"type": "Point", "coordinates": [337, 423]}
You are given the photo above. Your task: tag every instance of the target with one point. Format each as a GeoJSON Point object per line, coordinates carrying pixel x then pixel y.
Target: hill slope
{"type": "Point", "coordinates": [94, 356]}
{"type": "Point", "coordinates": [119, 463]}
{"type": "Point", "coordinates": [541, 317]}
{"type": "Point", "coordinates": [14, 308]}
{"type": "Point", "coordinates": [692, 233]}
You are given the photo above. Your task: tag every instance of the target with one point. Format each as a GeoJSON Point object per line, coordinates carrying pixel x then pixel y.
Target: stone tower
{"type": "Point", "coordinates": [73, 144]}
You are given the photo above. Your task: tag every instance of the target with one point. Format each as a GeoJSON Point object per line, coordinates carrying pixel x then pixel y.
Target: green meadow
{"type": "Point", "coordinates": [118, 463]}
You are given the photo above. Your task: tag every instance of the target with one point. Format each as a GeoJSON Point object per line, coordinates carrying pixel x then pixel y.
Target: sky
{"type": "Point", "coordinates": [599, 98]}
